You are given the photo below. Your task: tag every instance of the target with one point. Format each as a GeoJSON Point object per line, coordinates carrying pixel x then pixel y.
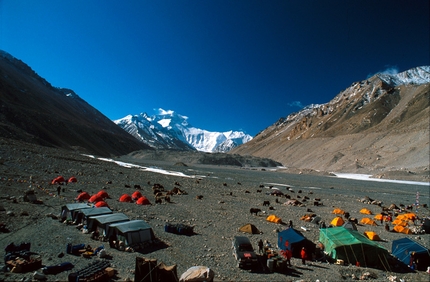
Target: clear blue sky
{"type": "Point", "coordinates": [227, 65]}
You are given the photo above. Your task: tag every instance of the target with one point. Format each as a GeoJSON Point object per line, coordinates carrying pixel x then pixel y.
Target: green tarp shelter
{"type": "Point", "coordinates": [352, 247]}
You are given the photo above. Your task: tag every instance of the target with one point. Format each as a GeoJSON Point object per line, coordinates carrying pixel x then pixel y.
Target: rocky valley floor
{"type": "Point", "coordinates": [227, 193]}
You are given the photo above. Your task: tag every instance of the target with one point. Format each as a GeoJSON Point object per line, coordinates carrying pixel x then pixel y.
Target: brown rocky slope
{"type": "Point", "coordinates": [371, 127]}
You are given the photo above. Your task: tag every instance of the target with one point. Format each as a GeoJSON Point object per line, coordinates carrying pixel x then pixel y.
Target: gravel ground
{"type": "Point", "coordinates": [216, 217]}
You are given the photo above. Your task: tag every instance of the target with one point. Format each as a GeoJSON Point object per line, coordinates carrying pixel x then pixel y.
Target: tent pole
{"type": "Point", "coordinates": [364, 257]}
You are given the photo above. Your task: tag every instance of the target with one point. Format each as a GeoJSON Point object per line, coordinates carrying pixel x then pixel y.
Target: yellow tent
{"type": "Point", "coordinates": [372, 235]}
{"type": "Point", "coordinates": [401, 229]}
{"type": "Point", "coordinates": [368, 221]}
{"type": "Point", "coordinates": [400, 222]}
{"type": "Point", "coordinates": [365, 211]}
{"type": "Point", "coordinates": [249, 228]}
{"type": "Point", "coordinates": [337, 221]}
{"type": "Point", "coordinates": [338, 211]}
{"type": "Point", "coordinates": [274, 218]}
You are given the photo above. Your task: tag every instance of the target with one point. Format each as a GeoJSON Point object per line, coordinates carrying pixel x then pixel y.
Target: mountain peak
{"type": "Point", "coordinates": [169, 130]}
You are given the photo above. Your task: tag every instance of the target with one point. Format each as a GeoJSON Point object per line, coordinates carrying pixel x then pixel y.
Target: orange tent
{"type": "Point", "coordinates": [84, 196]}
{"type": "Point", "coordinates": [368, 221]}
{"type": "Point", "coordinates": [400, 222]}
{"type": "Point", "coordinates": [337, 221]}
{"type": "Point", "coordinates": [72, 179]}
{"type": "Point", "coordinates": [338, 211]}
{"type": "Point", "coordinates": [379, 217]}
{"type": "Point", "coordinates": [365, 211]}
{"type": "Point", "coordinates": [103, 194]}
{"type": "Point", "coordinates": [401, 229]}
{"type": "Point", "coordinates": [407, 216]}
{"type": "Point", "coordinates": [100, 204]}
{"type": "Point", "coordinates": [372, 235]}
{"type": "Point", "coordinates": [125, 198]}
{"type": "Point", "coordinates": [58, 180]}
{"type": "Point", "coordinates": [95, 198]}
{"type": "Point", "coordinates": [143, 201]}
{"type": "Point", "coordinates": [136, 195]}
{"type": "Point", "coordinates": [274, 218]}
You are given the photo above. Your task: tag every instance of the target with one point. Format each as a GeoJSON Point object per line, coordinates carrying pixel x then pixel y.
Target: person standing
{"type": "Point", "coordinates": [303, 255]}
{"type": "Point", "coordinates": [288, 255]}
{"type": "Point", "coordinates": [260, 246]}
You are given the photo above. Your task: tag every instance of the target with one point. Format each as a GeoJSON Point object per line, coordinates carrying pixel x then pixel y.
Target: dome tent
{"type": "Point", "coordinates": [143, 201]}
{"type": "Point", "coordinates": [125, 198]}
{"type": "Point", "coordinates": [249, 228]}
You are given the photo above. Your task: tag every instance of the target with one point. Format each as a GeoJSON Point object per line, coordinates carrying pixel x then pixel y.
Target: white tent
{"type": "Point", "coordinates": [84, 214]}
{"type": "Point", "coordinates": [104, 221]}
{"type": "Point", "coordinates": [70, 210]}
{"type": "Point", "coordinates": [132, 232]}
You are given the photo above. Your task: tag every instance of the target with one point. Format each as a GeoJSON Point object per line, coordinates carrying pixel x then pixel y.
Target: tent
{"type": "Point", "coordinates": [58, 180]}
{"type": "Point", "coordinates": [132, 232]}
{"type": "Point", "coordinates": [337, 221]}
{"type": "Point", "coordinates": [368, 221]}
{"type": "Point", "coordinates": [143, 201]}
{"type": "Point", "coordinates": [197, 274]}
{"type": "Point", "coordinates": [338, 211]}
{"type": "Point", "coordinates": [365, 211]}
{"type": "Point", "coordinates": [103, 194]}
{"type": "Point", "coordinates": [372, 235]}
{"type": "Point", "coordinates": [84, 196]}
{"type": "Point", "coordinates": [136, 195]}
{"type": "Point", "coordinates": [70, 210]}
{"type": "Point", "coordinates": [350, 225]}
{"type": "Point", "coordinates": [104, 221]}
{"type": "Point", "coordinates": [249, 228]}
{"type": "Point", "coordinates": [100, 204]}
{"type": "Point", "coordinates": [402, 249]}
{"type": "Point", "coordinates": [352, 247]}
{"type": "Point", "coordinates": [292, 240]}
{"type": "Point", "coordinates": [148, 270]}
{"type": "Point", "coordinates": [72, 180]}
{"type": "Point", "coordinates": [84, 214]}
{"type": "Point", "coordinates": [95, 198]}
{"type": "Point", "coordinates": [402, 229]}
{"type": "Point", "coordinates": [125, 198]}
{"type": "Point", "coordinates": [400, 222]}
{"type": "Point", "coordinates": [274, 218]}
{"type": "Point", "coordinates": [379, 217]}
{"type": "Point", "coordinates": [409, 216]}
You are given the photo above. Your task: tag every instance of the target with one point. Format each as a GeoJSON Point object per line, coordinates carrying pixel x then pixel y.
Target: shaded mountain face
{"type": "Point", "coordinates": [377, 125]}
{"type": "Point", "coordinates": [170, 130]}
{"type": "Point", "coordinates": [34, 111]}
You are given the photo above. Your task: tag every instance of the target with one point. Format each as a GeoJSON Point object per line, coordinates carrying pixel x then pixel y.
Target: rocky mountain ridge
{"type": "Point", "coordinates": [375, 126]}
{"type": "Point", "coordinates": [34, 111]}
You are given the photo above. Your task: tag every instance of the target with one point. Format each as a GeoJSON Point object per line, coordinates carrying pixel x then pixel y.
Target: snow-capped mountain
{"type": "Point", "coordinates": [170, 130]}
{"type": "Point", "coordinates": [375, 123]}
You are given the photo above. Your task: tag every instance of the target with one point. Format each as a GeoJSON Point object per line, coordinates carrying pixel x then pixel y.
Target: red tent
{"type": "Point", "coordinates": [100, 204]}
{"type": "Point", "coordinates": [84, 196]}
{"type": "Point", "coordinates": [136, 195]}
{"type": "Point", "coordinates": [143, 201]}
{"type": "Point", "coordinates": [58, 180]}
{"type": "Point", "coordinates": [72, 179]}
{"type": "Point", "coordinates": [103, 194]}
{"type": "Point", "coordinates": [95, 198]}
{"type": "Point", "coordinates": [125, 198]}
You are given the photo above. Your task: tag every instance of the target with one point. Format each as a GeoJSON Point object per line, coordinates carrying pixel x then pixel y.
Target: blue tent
{"type": "Point", "coordinates": [294, 241]}
{"type": "Point", "coordinates": [402, 249]}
